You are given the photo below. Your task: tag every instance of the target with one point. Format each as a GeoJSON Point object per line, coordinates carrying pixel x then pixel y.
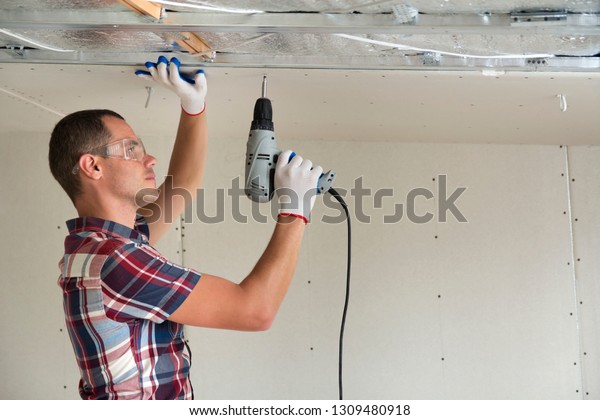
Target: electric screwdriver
{"type": "Point", "coordinates": [262, 153]}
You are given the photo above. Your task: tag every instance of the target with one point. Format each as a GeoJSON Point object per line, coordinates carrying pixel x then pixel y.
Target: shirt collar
{"type": "Point", "coordinates": [95, 224]}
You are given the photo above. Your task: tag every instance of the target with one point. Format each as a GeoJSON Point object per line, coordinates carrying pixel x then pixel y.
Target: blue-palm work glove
{"type": "Point", "coordinates": [191, 92]}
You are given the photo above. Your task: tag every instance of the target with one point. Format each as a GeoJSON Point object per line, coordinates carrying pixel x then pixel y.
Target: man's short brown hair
{"type": "Point", "coordinates": [73, 136]}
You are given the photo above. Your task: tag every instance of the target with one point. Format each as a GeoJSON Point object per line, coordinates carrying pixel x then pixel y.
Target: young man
{"type": "Point", "coordinates": [125, 304]}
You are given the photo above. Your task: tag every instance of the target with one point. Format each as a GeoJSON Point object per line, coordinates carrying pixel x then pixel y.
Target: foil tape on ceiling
{"type": "Point", "coordinates": [424, 6]}
{"type": "Point", "coordinates": [327, 44]}
{"type": "Point", "coordinates": [101, 41]}
{"type": "Point", "coordinates": [58, 4]}
{"type": "Point", "coordinates": [308, 44]}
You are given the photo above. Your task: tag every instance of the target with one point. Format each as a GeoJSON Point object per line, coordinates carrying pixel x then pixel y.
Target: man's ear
{"type": "Point", "coordinates": [90, 166]}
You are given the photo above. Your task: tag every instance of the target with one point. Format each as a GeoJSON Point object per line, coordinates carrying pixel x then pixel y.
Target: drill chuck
{"type": "Point", "coordinates": [263, 115]}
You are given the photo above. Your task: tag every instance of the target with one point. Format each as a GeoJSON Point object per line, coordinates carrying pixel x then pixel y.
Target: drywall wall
{"type": "Point", "coordinates": [501, 306]}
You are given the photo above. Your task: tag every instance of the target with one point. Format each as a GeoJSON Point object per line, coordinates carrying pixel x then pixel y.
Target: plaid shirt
{"type": "Point", "coordinates": [118, 293]}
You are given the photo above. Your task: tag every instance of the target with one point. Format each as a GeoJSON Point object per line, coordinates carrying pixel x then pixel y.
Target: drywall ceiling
{"type": "Point", "coordinates": [319, 105]}
{"type": "Point", "coordinates": [530, 35]}
{"type": "Point", "coordinates": [501, 71]}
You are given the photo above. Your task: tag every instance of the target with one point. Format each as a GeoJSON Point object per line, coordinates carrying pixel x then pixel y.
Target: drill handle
{"type": "Point", "coordinates": [325, 180]}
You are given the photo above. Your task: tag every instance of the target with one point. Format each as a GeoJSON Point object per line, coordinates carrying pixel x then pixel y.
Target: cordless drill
{"type": "Point", "coordinates": [262, 153]}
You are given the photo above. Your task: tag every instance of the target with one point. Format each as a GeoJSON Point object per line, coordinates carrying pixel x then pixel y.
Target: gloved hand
{"type": "Point", "coordinates": [296, 185]}
{"type": "Point", "coordinates": [192, 92]}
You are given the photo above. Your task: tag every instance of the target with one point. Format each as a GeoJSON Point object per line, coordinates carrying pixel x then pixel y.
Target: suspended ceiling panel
{"type": "Point", "coordinates": [321, 105]}
{"type": "Point", "coordinates": [419, 34]}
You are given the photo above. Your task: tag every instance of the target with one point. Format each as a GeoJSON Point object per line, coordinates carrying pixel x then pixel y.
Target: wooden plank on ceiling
{"type": "Point", "coordinates": [143, 7]}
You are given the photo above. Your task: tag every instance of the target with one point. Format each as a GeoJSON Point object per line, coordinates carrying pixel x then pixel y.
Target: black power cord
{"type": "Point", "coordinates": [339, 198]}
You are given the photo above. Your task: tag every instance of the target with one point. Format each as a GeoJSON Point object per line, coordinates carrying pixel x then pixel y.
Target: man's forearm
{"type": "Point", "coordinates": [271, 277]}
{"type": "Point", "coordinates": [189, 152]}
{"type": "Point", "coordinates": [186, 169]}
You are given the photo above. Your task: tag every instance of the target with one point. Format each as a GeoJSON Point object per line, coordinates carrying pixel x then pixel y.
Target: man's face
{"type": "Point", "coordinates": [126, 178]}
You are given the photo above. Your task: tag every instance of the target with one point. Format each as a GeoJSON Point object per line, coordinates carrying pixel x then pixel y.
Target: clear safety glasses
{"type": "Point", "coordinates": [126, 149]}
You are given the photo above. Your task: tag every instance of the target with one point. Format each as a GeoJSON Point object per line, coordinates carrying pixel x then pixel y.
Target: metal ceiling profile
{"type": "Point", "coordinates": [534, 35]}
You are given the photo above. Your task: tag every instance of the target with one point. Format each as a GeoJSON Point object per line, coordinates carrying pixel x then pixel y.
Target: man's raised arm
{"type": "Point", "coordinates": [188, 158]}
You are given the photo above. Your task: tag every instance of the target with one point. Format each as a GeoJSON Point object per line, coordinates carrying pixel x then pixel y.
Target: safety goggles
{"type": "Point", "coordinates": [126, 149]}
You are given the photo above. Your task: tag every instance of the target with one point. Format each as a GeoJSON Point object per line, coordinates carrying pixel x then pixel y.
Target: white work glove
{"type": "Point", "coordinates": [296, 185]}
{"type": "Point", "coordinates": [192, 92]}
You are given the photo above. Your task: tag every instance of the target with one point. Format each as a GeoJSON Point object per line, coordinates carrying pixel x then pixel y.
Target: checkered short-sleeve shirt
{"type": "Point", "coordinates": [118, 292]}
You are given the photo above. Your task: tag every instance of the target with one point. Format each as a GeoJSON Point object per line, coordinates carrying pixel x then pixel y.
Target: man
{"type": "Point", "coordinates": [125, 304]}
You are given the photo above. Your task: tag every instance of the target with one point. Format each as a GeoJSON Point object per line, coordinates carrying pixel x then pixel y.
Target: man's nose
{"type": "Point", "coordinates": [149, 160]}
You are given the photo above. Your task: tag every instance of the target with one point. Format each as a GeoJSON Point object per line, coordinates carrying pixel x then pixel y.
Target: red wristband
{"type": "Point", "coordinates": [299, 216]}
{"type": "Point", "coordinates": [194, 115]}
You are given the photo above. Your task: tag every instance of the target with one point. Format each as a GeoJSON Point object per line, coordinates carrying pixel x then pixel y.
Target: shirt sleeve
{"type": "Point", "coordinates": [139, 283]}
